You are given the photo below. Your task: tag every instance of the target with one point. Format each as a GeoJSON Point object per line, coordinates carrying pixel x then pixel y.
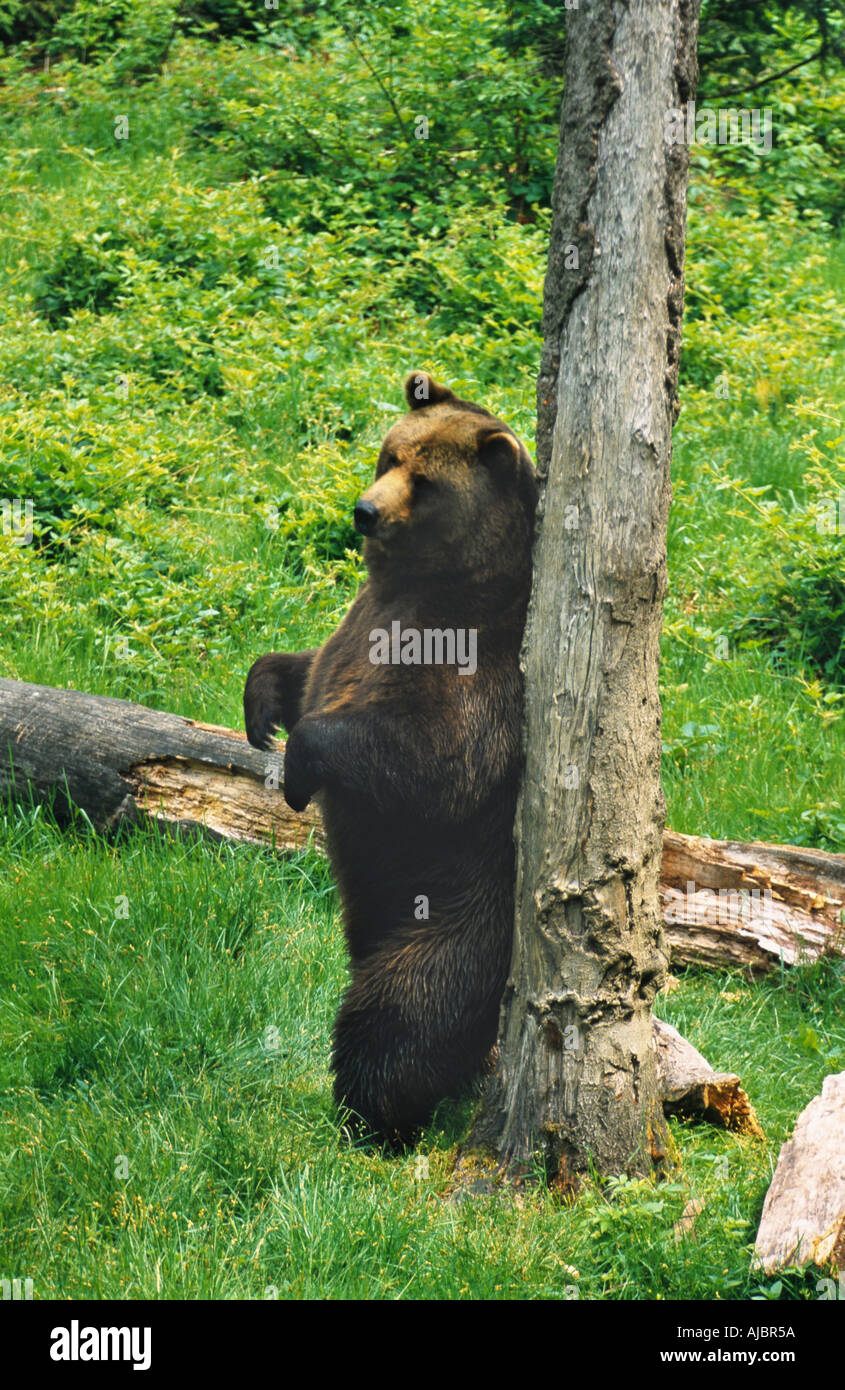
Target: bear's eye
{"type": "Point", "coordinates": [386, 461]}
{"type": "Point", "coordinates": [422, 485]}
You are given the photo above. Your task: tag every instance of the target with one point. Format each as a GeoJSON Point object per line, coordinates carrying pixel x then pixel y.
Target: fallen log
{"type": "Point", "coordinates": [689, 1086]}
{"type": "Point", "coordinates": [117, 761]}
{"type": "Point", "coordinates": [804, 1212]}
{"type": "Point", "coordinates": [724, 903]}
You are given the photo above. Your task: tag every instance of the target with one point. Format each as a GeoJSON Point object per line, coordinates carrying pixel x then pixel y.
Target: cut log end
{"type": "Point", "coordinates": [689, 1085]}
{"type": "Point", "coordinates": [719, 1099]}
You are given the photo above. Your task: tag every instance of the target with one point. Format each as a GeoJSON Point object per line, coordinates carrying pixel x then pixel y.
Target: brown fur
{"type": "Point", "coordinates": [416, 767]}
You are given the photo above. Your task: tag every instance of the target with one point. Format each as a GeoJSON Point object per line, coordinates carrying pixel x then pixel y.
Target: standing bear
{"type": "Point", "coordinates": [406, 727]}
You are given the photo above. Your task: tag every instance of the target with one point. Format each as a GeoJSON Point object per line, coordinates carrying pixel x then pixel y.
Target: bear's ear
{"type": "Point", "coordinates": [421, 390]}
{"type": "Point", "coordinates": [498, 450]}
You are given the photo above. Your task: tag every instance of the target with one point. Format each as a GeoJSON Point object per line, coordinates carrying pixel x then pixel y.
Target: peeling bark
{"type": "Point", "coordinates": [753, 906]}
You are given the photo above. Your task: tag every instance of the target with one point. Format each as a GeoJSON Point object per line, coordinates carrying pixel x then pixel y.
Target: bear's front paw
{"type": "Point", "coordinates": [303, 774]}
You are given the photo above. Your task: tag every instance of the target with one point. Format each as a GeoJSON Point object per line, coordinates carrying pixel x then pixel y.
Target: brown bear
{"type": "Point", "coordinates": [406, 727]}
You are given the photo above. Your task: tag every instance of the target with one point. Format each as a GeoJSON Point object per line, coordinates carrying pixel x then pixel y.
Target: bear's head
{"type": "Point", "coordinates": [454, 495]}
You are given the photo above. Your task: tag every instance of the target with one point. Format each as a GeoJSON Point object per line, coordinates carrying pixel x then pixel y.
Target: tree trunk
{"type": "Point", "coordinates": [576, 1081]}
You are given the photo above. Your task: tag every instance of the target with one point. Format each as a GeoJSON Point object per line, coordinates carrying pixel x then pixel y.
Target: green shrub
{"type": "Point", "coordinates": [796, 609]}
{"type": "Point", "coordinates": [229, 301]}
{"type": "Point", "coordinates": [85, 273]}
{"type": "Point", "coordinates": [312, 511]}
{"type": "Point", "coordinates": [25, 21]}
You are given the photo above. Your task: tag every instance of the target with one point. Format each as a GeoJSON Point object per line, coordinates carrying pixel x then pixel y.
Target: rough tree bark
{"type": "Point", "coordinates": [576, 1080]}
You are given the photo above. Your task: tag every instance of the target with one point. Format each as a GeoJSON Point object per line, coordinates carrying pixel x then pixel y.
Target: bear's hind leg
{"type": "Point", "coordinates": [416, 1026]}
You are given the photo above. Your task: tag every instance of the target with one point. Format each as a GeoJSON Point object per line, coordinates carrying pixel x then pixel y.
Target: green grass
{"type": "Point", "coordinates": [168, 1130]}
{"type": "Point", "coordinates": [193, 446]}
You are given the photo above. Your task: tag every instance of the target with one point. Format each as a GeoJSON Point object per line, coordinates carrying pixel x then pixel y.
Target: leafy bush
{"type": "Point", "coordinates": [81, 465]}
{"type": "Point", "coordinates": [89, 29]}
{"type": "Point", "coordinates": [22, 21]}
{"type": "Point", "coordinates": [225, 18]}
{"type": "Point", "coordinates": [85, 273]}
{"type": "Point", "coordinates": [131, 41]}
{"type": "Point", "coordinates": [796, 609]}
{"type": "Point", "coordinates": [432, 109]}
{"type": "Point", "coordinates": [805, 163]}
{"type": "Point", "coordinates": [312, 511]}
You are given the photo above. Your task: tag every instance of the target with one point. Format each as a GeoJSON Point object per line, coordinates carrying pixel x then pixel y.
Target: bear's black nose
{"type": "Point", "coordinates": [366, 516]}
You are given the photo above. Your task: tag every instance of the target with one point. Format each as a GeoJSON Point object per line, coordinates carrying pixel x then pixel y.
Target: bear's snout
{"type": "Point", "coordinates": [365, 517]}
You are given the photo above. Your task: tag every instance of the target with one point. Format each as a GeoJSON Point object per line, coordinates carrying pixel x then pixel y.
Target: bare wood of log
{"type": "Point", "coordinates": [690, 1086]}
{"type": "Point", "coordinates": [726, 903]}
{"type": "Point", "coordinates": [804, 1211]}
{"type": "Point", "coordinates": [749, 905]}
